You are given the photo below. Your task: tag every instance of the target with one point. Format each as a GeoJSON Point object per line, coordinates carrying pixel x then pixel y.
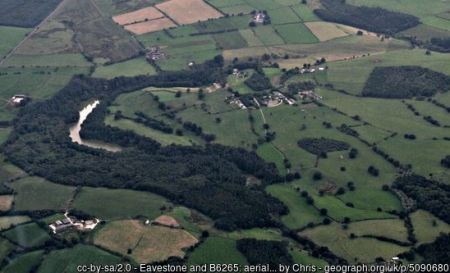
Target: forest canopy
{"type": "Point", "coordinates": [377, 20]}
{"type": "Point", "coordinates": [405, 82]}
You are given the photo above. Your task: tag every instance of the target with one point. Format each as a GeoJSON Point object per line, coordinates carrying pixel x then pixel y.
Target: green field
{"type": "Point", "coordinates": [24, 263]}
{"type": "Point", "coordinates": [39, 83]}
{"type": "Point", "coordinates": [27, 235]}
{"type": "Point", "coordinates": [51, 60]}
{"type": "Point", "coordinates": [8, 221]}
{"type": "Point", "coordinates": [364, 250]}
{"type": "Point", "coordinates": [268, 36]}
{"type": "Point", "coordinates": [284, 15]}
{"type": "Point", "coordinates": [66, 260]}
{"type": "Point", "coordinates": [359, 69]}
{"type": "Point", "coordinates": [130, 68]}
{"type": "Point", "coordinates": [296, 33]}
{"type": "Point", "coordinates": [109, 204]}
{"type": "Point", "coordinates": [11, 36]}
{"type": "Point", "coordinates": [230, 40]}
{"type": "Point", "coordinates": [5, 248]}
{"type": "Point", "coordinates": [34, 193]}
{"type": "Point", "coordinates": [217, 250]}
{"type": "Point", "coordinates": [427, 227]}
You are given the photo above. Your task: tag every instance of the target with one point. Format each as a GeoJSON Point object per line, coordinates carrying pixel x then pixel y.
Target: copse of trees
{"type": "Point", "coordinates": [440, 45]}
{"type": "Point", "coordinates": [208, 178]}
{"type": "Point", "coordinates": [429, 195]}
{"type": "Point", "coordinates": [318, 146]}
{"type": "Point", "coordinates": [405, 82]}
{"type": "Point", "coordinates": [446, 162]}
{"type": "Point", "coordinates": [258, 81]}
{"type": "Point", "coordinates": [375, 19]}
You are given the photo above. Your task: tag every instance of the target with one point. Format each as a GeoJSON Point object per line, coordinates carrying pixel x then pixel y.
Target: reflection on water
{"type": "Point", "coordinates": [75, 131]}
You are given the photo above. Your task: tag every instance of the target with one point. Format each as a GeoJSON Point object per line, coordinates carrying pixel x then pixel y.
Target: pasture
{"type": "Point", "coordinates": [427, 227]}
{"type": "Point", "coordinates": [217, 250]}
{"type": "Point", "coordinates": [148, 243]}
{"type": "Point", "coordinates": [364, 250]}
{"type": "Point", "coordinates": [111, 204]}
{"type": "Point", "coordinates": [5, 248]}
{"type": "Point", "coordinates": [296, 33]}
{"type": "Point", "coordinates": [24, 263]}
{"type": "Point", "coordinates": [67, 259]}
{"type": "Point", "coordinates": [27, 235]}
{"type": "Point", "coordinates": [34, 193]}
{"type": "Point", "coordinates": [11, 36]}
{"type": "Point", "coordinates": [130, 68]}
{"type": "Point", "coordinates": [7, 222]}
{"type": "Point", "coordinates": [38, 83]}
{"type": "Point", "coordinates": [326, 31]}
{"type": "Point", "coordinates": [188, 11]}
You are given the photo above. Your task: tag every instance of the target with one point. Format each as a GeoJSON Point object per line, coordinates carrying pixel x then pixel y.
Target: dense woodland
{"type": "Point", "coordinates": [265, 252]}
{"type": "Point", "coordinates": [25, 13]}
{"type": "Point", "coordinates": [430, 195]}
{"type": "Point", "coordinates": [440, 45]}
{"type": "Point", "coordinates": [258, 82]}
{"type": "Point", "coordinates": [446, 161]}
{"type": "Point", "coordinates": [377, 20]}
{"type": "Point", "coordinates": [208, 178]}
{"type": "Point", "coordinates": [320, 146]}
{"type": "Point", "coordinates": [405, 82]}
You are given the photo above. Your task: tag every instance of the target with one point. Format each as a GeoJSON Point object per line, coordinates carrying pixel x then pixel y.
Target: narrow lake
{"type": "Point", "coordinates": [75, 131]}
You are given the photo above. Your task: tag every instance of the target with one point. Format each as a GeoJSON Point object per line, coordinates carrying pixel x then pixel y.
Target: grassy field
{"type": "Point", "coordinates": [300, 213]}
{"type": "Point", "coordinates": [24, 263]}
{"type": "Point", "coordinates": [130, 68]}
{"type": "Point", "coordinates": [256, 233]}
{"type": "Point", "coordinates": [217, 250]}
{"type": "Point", "coordinates": [8, 221]}
{"type": "Point", "coordinates": [5, 248]}
{"type": "Point", "coordinates": [109, 204]}
{"type": "Point", "coordinates": [369, 109]}
{"type": "Point", "coordinates": [326, 31]}
{"type": "Point", "coordinates": [270, 154]}
{"type": "Point", "coordinates": [49, 61]}
{"type": "Point", "coordinates": [303, 257]}
{"type": "Point", "coordinates": [8, 171]}
{"type": "Point", "coordinates": [66, 260]}
{"type": "Point", "coordinates": [296, 33]}
{"type": "Point", "coordinates": [148, 243]}
{"type": "Point", "coordinates": [362, 250]}
{"type": "Point", "coordinates": [284, 15]}
{"type": "Point", "coordinates": [268, 36]}
{"type": "Point", "coordinates": [39, 83]}
{"type": "Point", "coordinates": [34, 193]}
{"type": "Point", "coordinates": [359, 69]}
{"type": "Point", "coordinates": [427, 227]}
{"type": "Point", "coordinates": [11, 36]}
{"type": "Point", "coordinates": [4, 133]}
{"type": "Point", "coordinates": [230, 40]}
{"type": "Point", "coordinates": [27, 235]}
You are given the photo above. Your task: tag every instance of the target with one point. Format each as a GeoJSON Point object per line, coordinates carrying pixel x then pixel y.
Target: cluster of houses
{"type": "Point", "coordinates": [309, 94]}
{"type": "Point", "coordinates": [275, 99]}
{"type": "Point", "coordinates": [69, 222]}
{"type": "Point", "coordinates": [155, 53]}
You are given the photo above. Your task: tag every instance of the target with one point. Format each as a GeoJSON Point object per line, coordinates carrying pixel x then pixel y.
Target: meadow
{"type": "Point", "coordinates": [34, 193]}
{"type": "Point", "coordinates": [27, 235]}
{"type": "Point", "coordinates": [67, 259]}
{"type": "Point", "coordinates": [11, 36]}
{"type": "Point", "coordinates": [24, 262]}
{"type": "Point", "coordinates": [133, 67]}
{"type": "Point", "coordinates": [217, 250]}
{"type": "Point", "coordinates": [109, 204]}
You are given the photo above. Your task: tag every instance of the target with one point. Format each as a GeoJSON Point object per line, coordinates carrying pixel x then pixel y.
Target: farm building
{"type": "Point", "coordinates": [72, 222]}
